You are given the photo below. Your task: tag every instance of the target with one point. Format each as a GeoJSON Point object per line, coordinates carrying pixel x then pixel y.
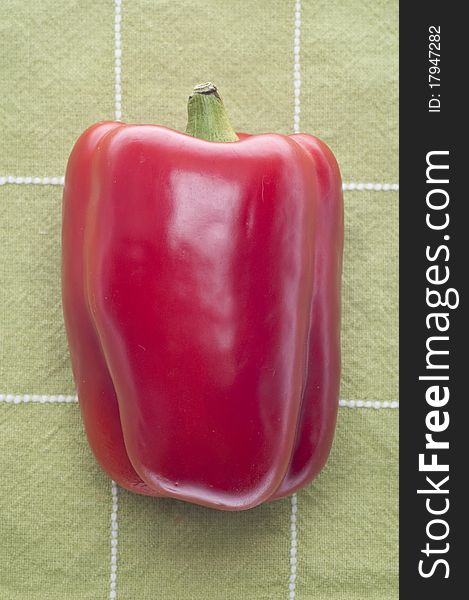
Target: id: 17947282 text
{"type": "Point", "coordinates": [434, 69]}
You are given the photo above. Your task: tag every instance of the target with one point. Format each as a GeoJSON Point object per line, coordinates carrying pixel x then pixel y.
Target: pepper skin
{"type": "Point", "coordinates": [201, 295]}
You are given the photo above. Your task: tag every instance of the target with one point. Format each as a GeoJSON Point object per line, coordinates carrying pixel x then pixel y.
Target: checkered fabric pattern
{"type": "Point", "coordinates": [324, 67]}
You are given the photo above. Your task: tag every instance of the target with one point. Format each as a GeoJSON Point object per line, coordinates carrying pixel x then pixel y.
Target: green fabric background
{"type": "Point", "coordinates": [56, 78]}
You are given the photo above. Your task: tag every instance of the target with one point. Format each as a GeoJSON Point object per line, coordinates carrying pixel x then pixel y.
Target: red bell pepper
{"type": "Point", "coordinates": [201, 294]}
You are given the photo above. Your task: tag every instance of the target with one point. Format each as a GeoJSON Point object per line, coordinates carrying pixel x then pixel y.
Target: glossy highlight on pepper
{"type": "Point", "coordinates": [201, 295]}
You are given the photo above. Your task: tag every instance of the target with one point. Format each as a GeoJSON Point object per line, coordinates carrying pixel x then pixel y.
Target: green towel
{"type": "Point", "coordinates": [65, 532]}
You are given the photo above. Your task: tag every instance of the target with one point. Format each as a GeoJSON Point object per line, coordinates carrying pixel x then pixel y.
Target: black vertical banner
{"type": "Point", "coordinates": [434, 268]}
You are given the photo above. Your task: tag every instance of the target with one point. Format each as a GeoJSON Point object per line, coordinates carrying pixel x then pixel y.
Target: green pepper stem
{"type": "Point", "coordinates": [207, 118]}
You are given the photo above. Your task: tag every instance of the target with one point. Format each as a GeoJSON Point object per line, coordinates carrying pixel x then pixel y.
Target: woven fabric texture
{"type": "Point", "coordinates": [323, 67]}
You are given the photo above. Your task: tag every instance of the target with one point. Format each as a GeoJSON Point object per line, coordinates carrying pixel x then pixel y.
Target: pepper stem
{"type": "Point", "coordinates": [207, 118]}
